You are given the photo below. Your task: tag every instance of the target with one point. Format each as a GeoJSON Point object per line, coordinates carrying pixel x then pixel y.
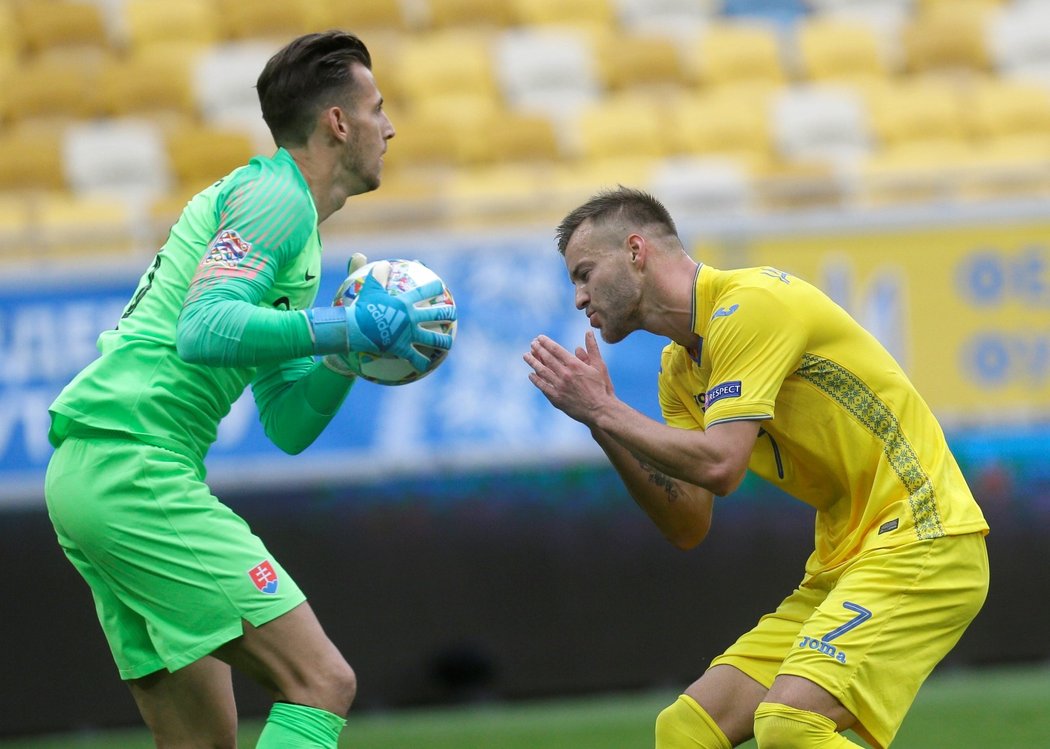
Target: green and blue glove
{"type": "Point", "coordinates": [382, 323]}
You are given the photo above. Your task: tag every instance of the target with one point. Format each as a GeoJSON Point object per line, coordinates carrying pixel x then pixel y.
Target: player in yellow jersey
{"type": "Point", "coordinates": [764, 372]}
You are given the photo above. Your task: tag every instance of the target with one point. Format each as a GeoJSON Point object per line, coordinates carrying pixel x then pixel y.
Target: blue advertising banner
{"type": "Point", "coordinates": [478, 410]}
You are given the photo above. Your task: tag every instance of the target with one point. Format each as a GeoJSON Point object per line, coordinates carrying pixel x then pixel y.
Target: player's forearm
{"type": "Point", "coordinates": [295, 412]}
{"type": "Point", "coordinates": [691, 456]}
{"type": "Point", "coordinates": [231, 333]}
{"type": "Point", "coordinates": [680, 510]}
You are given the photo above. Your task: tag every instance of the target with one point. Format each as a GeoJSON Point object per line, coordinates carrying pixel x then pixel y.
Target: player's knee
{"type": "Point", "coordinates": [685, 725]}
{"type": "Point", "coordinates": [341, 685]}
{"type": "Point", "coordinates": [782, 727]}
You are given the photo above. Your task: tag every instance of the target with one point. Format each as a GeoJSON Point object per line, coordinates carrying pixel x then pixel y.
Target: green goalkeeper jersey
{"type": "Point", "coordinates": [212, 314]}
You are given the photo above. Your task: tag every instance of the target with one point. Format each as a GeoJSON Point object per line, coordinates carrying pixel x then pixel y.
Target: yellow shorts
{"type": "Point", "coordinates": [872, 630]}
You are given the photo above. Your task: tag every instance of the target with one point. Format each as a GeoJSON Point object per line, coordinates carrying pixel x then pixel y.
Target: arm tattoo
{"type": "Point", "coordinates": [668, 484]}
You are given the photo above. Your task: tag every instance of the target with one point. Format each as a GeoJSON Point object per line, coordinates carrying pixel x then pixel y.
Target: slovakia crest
{"type": "Point", "coordinates": [227, 249]}
{"type": "Point", "coordinates": [264, 576]}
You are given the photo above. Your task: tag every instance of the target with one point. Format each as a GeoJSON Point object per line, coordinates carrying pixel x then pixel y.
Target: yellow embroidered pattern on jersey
{"type": "Point", "coordinates": [858, 399]}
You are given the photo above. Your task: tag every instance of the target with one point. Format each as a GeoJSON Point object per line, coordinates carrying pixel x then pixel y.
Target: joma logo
{"type": "Point", "coordinates": [823, 647]}
{"type": "Point", "coordinates": [823, 644]}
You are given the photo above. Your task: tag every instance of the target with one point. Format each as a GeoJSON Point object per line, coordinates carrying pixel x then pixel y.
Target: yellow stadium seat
{"type": "Point", "coordinates": [200, 154]}
{"type": "Point", "coordinates": [155, 81]}
{"type": "Point", "coordinates": [360, 17]}
{"type": "Point", "coordinates": [917, 171]}
{"type": "Point", "coordinates": [737, 52]}
{"type": "Point", "coordinates": [53, 24]}
{"type": "Point", "coordinates": [54, 89]}
{"type": "Point", "coordinates": [263, 19]}
{"type": "Point", "coordinates": [571, 183]}
{"type": "Point", "coordinates": [586, 13]}
{"type": "Point", "coordinates": [730, 122]}
{"type": "Point", "coordinates": [514, 137]}
{"type": "Point", "coordinates": [31, 159]}
{"type": "Point", "coordinates": [916, 110]}
{"type": "Point", "coordinates": [949, 37]}
{"type": "Point", "coordinates": [622, 126]}
{"type": "Point", "coordinates": [638, 59]}
{"type": "Point", "coordinates": [151, 22]}
{"type": "Point", "coordinates": [838, 49]}
{"type": "Point", "coordinates": [495, 193]}
{"type": "Point", "coordinates": [444, 14]}
{"type": "Point", "coordinates": [1003, 108]}
{"type": "Point", "coordinates": [10, 38]}
{"type": "Point", "coordinates": [443, 63]}
{"type": "Point", "coordinates": [70, 225]}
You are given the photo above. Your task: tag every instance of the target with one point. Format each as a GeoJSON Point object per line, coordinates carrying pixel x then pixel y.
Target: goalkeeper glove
{"type": "Point", "coordinates": [379, 322]}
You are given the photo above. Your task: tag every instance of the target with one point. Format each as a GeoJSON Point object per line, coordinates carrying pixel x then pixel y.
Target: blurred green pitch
{"type": "Point", "coordinates": [993, 708]}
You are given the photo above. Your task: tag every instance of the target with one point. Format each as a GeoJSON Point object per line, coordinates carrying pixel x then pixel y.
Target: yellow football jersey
{"type": "Point", "coordinates": [844, 430]}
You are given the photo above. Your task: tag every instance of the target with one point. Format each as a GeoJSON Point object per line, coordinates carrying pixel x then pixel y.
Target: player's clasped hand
{"type": "Point", "coordinates": [379, 322]}
{"type": "Point", "coordinates": [575, 384]}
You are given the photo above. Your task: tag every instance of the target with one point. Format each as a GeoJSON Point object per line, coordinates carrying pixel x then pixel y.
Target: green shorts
{"type": "Point", "coordinates": [173, 571]}
{"type": "Point", "coordinates": [872, 630]}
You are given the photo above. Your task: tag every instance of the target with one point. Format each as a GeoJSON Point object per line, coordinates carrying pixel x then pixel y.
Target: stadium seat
{"type": "Point", "coordinates": [629, 59]}
{"type": "Point", "coordinates": [224, 79]}
{"type": "Point", "coordinates": [31, 160]}
{"type": "Point", "coordinates": [55, 89]}
{"type": "Point", "coordinates": [363, 18]}
{"type": "Point", "coordinates": [622, 126]}
{"type": "Point", "coordinates": [10, 38]}
{"type": "Point", "coordinates": [152, 22]}
{"type": "Point", "coordinates": [497, 194]}
{"type": "Point", "coordinates": [733, 52]}
{"type": "Point", "coordinates": [56, 25]}
{"type": "Point", "coordinates": [702, 186]}
{"type": "Point", "coordinates": [583, 13]}
{"type": "Point", "coordinates": [443, 63]}
{"type": "Point", "coordinates": [122, 158]}
{"type": "Point", "coordinates": [918, 171]}
{"type": "Point", "coordinates": [84, 227]}
{"type": "Point", "coordinates": [200, 154]}
{"type": "Point", "coordinates": [912, 110]}
{"type": "Point", "coordinates": [572, 182]}
{"type": "Point", "coordinates": [730, 122]}
{"type": "Point", "coordinates": [278, 20]}
{"type": "Point", "coordinates": [949, 37]}
{"type": "Point", "coordinates": [506, 136]}
{"type": "Point", "coordinates": [681, 18]}
{"type": "Point", "coordinates": [1007, 108]}
{"type": "Point", "coordinates": [1019, 39]}
{"type": "Point", "coordinates": [832, 49]}
{"type": "Point", "coordinates": [821, 123]}
{"type": "Point", "coordinates": [885, 18]}
{"type": "Point", "coordinates": [155, 82]}
{"type": "Point", "coordinates": [445, 14]}
{"type": "Point", "coordinates": [551, 71]}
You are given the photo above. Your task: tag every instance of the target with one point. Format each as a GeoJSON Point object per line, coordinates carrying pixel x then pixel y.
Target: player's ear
{"type": "Point", "coordinates": [337, 122]}
{"type": "Point", "coordinates": [636, 246]}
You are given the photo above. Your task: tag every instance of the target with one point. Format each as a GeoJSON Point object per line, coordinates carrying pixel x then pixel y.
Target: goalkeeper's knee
{"type": "Point", "coordinates": [781, 727]}
{"type": "Point", "coordinates": [686, 725]}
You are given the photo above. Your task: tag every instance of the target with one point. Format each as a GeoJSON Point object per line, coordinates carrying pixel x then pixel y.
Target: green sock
{"type": "Point", "coordinates": [300, 727]}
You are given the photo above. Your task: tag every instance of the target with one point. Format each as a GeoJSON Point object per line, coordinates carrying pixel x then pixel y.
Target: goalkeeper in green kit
{"type": "Point", "coordinates": [183, 589]}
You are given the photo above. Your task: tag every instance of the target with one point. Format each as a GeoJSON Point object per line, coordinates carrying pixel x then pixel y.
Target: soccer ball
{"type": "Point", "coordinates": [397, 277]}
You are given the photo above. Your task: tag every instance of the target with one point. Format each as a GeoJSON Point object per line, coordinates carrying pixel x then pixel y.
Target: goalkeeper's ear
{"type": "Point", "coordinates": [357, 260]}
